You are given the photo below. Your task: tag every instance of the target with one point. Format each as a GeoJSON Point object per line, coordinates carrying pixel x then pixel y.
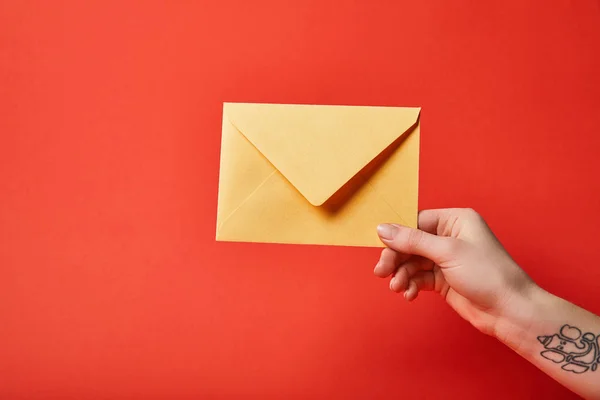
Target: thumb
{"type": "Point", "coordinates": [416, 242]}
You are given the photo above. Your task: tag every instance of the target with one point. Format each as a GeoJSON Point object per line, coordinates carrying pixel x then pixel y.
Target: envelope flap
{"type": "Point", "coordinates": [319, 148]}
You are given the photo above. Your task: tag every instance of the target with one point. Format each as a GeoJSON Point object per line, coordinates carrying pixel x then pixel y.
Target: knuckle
{"type": "Point", "coordinates": [471, 213]}
{"type": "Point", "coordinates": [415, 240]}
{"type": "Point", "coordinates": [472, 216]}
{"type": "Point", "coordinates": [449, 226]}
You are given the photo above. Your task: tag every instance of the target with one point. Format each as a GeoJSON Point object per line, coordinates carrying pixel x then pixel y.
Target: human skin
{"type": "Point", "coordinates": [454, 253]}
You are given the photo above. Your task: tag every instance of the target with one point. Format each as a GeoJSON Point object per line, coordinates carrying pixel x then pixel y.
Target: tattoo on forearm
{"type": "Point", "coordinates": [576, 352]}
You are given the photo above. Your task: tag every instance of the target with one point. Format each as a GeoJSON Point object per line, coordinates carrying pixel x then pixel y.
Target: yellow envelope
{"type": "Point", "coordinates": [311, 174]}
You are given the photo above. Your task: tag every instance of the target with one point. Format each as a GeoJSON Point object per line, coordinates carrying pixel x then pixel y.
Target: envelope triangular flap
{"type": "Point", "coordinates": [319, 148]}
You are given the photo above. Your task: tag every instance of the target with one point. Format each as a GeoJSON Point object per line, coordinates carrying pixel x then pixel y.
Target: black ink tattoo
{"type": "Point", "coordinates": [576, 352]}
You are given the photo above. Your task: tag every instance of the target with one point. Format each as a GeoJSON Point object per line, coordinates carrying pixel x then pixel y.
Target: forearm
{"type": "Point", "coordinates": [558, 337]}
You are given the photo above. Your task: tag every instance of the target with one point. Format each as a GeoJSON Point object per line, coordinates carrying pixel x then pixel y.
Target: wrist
{"type": "Point", "coordinates": [523, 318]}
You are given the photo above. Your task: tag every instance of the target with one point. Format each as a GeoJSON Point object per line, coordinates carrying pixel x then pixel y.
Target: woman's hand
{"type": "Point", "coordinates": [455, 254]}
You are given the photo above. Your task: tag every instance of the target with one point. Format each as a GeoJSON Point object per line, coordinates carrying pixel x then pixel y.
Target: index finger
{"type": "Point", "coordinates": [430, 220]}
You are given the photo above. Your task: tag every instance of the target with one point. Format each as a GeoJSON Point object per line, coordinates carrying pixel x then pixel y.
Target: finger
{"type": "Point", "coordinates": [417, 242]}
{"type": "Point", "coordinates": [412, 292]}
{"type": "Point", "coordinates": [389, 262]}
{"type": "Point", "coordinates": [424, 280]}
{"type": "Point", "coordinates": [405, 272]}
{"type": "Point", "coordinates": [430, 220]}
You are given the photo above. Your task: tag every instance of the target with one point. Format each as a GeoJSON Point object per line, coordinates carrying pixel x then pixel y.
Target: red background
{"type": "Point", "coordinates": [111, 283]}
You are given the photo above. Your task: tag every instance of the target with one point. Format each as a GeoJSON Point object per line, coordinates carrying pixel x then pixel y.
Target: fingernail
{"type": "Point", "coordinates": [387, 231]}
{"type": "Point", "coordinates": [392, 281]}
